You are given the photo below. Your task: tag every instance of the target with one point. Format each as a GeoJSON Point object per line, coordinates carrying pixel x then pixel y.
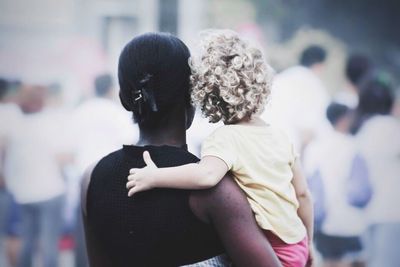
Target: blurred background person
{"type": "Point", "coordinates": [299, 98]}
{"type": "Point", "coordinates": [100, 125]}
{"type": "Point", "coordinates": [4, 203]}
{"type": "Point", "coordinates": [10, 117]}
{"type": "Point", "coordinates": [376, 98]}
{"type": "Point", "coordinates": [339, 181]}
{"type": "Point", "coordinates": [33, 177]}
{"type": "Point", "coordinates": [358, 67]}
{"type": "Point", "coordinates": [377, 133]}
{"type": "Point", "coordinates": [58, 114]}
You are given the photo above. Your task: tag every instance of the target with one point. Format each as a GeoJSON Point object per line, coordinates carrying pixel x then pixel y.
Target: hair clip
{"type": "Point", "coordinates": [139, 93]}
{"type": "Point", "coordinates": [144, 96]}
{"type": "Point", "coordinates": [148, 93]}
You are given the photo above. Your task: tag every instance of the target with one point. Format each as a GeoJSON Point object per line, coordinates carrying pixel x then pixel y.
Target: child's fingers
{"type": "Point", "coordinates": [147, 159]}
{"type": "Point", "coordinates": [130, 184]}
{"type": "Point", "coordinates": [133, 170]}
{"type": "Point", "coordinates": [131, 177]}
{"type": "Point", "coordinates": [133, 190]}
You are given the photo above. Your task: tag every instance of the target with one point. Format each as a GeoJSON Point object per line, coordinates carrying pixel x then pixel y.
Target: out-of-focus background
{"type": "Point", "coordinates": [59, 111]}
{"type": "Point", "coordinates": [69, 42]}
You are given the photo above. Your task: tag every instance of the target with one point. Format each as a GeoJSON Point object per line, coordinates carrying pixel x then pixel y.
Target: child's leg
{"type": "Point", "coordinates": [290, 255]}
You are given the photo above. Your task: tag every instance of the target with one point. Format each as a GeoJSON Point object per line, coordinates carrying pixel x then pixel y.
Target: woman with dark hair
{"type": "Point", "coordinates": [376, 98]}
{"type": "Point", "coordinates": [163, 227]}
{"type": "Point", "coordinates": [378, 137]}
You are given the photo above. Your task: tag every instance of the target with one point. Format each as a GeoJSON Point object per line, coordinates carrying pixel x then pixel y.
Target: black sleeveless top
{"type": "Point", "coordinates": [153, 228]}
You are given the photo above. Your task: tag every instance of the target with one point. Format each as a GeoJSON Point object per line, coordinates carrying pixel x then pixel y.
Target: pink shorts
{"type": "Point", "coordinates": [290, 255]}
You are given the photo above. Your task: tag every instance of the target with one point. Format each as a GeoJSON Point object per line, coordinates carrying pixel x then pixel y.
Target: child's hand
{"type": "Point", "coordinates": [141, 179]}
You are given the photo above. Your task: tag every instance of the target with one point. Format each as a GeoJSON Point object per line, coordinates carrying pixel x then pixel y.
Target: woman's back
{"type": "Point", "coordinates": [156, 228]}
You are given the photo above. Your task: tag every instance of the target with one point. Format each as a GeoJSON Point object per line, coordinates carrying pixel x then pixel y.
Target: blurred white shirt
{"type": "Point", "coordinates": [332, 155]}
{"type": "Point", "coordinates": [379, 141]}
{"type": "Point", "coordinates": [298, 103]}
{"type": "Point", "coordinates": [100, 127]}
{"type": "Point", "coordinates": [32, 172]}
{"type": "Point", "coordinates": [10, 120]}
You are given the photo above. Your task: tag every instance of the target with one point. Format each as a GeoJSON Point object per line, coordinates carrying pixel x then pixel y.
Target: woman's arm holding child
{"type": "Point", "coordinates": [305, 210]}
{"type": "Point", "coordinates": [205, 174]}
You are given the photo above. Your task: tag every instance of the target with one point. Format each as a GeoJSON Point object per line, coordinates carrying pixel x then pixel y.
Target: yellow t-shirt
{"type": "Point", "coordinates": [260, 158]}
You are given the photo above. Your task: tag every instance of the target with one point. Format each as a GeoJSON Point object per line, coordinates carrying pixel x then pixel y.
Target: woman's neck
{"type": "Point", "coordinates": [172, 133]}
{"type": "Point", "coordinates": [165, 138]}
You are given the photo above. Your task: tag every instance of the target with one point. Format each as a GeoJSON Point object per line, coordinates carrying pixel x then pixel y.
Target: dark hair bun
{"type": "Point", "coordinates": [153, 73]}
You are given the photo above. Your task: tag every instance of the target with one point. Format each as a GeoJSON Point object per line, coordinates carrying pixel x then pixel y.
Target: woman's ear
{"type": "Point", "coordinates": [190, 111]}
{"type": "Point", "coordinates": [124, 102]}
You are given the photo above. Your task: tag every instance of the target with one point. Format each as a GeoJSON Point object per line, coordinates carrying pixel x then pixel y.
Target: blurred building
{"type": "Point", "coordinates": [74, 40]}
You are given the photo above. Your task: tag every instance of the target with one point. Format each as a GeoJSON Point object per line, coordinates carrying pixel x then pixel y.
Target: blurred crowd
{"type": "Point", "coordinates": [350, 152]}
{"type": "Point", "coordinates": [348, 143]}
{"type": "Point", "coordinates": [45, 149]}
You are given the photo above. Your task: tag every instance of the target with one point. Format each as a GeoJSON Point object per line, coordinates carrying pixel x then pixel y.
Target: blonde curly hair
{"type": "Point", "coordinates": [230, 80]}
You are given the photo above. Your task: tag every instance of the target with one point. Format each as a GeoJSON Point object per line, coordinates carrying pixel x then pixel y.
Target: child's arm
{"type": "Point", "coordinates": [205, 174]}
{"type": "Point", "coordinates": [305, 210]}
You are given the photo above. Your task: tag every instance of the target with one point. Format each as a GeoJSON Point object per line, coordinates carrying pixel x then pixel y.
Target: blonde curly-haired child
{"type": "Point", "coordinates": [231, 83]}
